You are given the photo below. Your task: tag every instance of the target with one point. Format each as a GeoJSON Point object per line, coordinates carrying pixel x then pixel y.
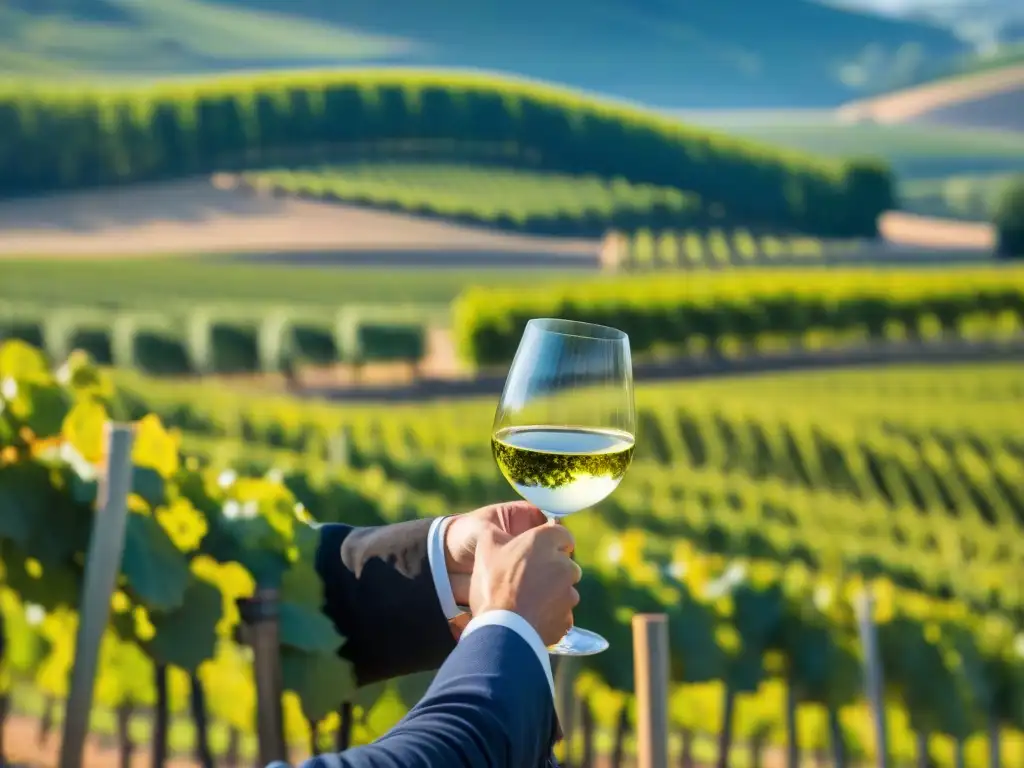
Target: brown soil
{"type": "Point", "coordinates": [922, 231]}
{"type": "Point", "coordinates": [23, 749]}
{"type": "Point", "coordinates": [906, 105]}
{"type": "Point", "coordinates": [198, 216]}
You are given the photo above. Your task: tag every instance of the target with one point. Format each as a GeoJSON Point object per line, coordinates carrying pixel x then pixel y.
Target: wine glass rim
{"type": "Point", "coordinates": [577, 329]}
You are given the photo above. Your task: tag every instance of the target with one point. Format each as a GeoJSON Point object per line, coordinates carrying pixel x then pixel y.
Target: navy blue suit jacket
{"type": "Point", "coordinates": [489, 705]}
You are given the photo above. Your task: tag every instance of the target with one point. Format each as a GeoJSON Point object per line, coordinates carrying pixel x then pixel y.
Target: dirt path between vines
{"type": "Point", "coordinates": [23, 751]}
{"type": "Point", "coordinates": [906, 105]}
{"type": "Point", "coordinates": [443, 379]}
{"type": "Point", "coordinates": [208, 217]}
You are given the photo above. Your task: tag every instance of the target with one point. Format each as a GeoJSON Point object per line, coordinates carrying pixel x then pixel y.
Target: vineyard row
{"type": "Point", "coordinates": [200, 538]}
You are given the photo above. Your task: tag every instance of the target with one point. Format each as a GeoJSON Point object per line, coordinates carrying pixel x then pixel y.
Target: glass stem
{"type": "Point", "coordinates": [558, 521]}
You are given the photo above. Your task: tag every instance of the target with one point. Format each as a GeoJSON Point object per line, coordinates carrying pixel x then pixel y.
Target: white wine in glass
{"type": "Point", "coordinates": [565, 427]}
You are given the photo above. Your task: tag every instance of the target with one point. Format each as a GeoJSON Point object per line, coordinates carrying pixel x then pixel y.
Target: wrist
{"type": "Point", "coordinates": [450, 563]}
{"type": "Point", "coordinates": [503, 605]}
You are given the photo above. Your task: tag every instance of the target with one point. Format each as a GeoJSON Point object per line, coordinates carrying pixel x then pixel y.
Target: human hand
{"type": "Point", "coordinates": [464, 531]}
{"type": "Point", "coordinates": [530, 574]}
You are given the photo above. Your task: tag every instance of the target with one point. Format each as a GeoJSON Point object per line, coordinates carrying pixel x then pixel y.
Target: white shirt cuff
{"type": "Point", "coordinates": [439, 568]}
{"type": "Point", "coordinates": [521, 627]}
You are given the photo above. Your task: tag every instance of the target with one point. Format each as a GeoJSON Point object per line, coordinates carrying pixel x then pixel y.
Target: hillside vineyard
{"type": "Point", "coordinates": [783, 496]}
{"type": "Point", "coordinates": [81, 138]}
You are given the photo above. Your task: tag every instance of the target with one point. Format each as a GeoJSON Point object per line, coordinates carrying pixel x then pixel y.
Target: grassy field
{"type": "Point", "coordinates": [913, 151]}
{"type": "Point", "coordinates": [963, 67]}
{"type": "Point", "coordinates": [129, 39]}
{"type": "Point", "coordinates": [159, 282]}
{"type": "Point", "coordinates": [968, 197]}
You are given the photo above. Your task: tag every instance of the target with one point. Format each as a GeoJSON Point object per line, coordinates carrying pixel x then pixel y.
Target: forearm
{"type": "Point", "coordinates": [490, 706]}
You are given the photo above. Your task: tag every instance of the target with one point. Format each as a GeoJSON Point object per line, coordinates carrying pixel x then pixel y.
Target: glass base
{"type": "Point", "coordinates": [579, 642]}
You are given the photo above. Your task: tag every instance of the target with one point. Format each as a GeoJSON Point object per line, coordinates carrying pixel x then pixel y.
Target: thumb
{"type": "Point", "coordinates": [491, 538]}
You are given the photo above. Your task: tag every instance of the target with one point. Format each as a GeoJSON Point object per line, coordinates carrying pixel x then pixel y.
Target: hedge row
{"type": "Point", "coordinates": [212, 341]}
{"type": "Point", "coordinates": [1009, 221]}
{"type": "Point", "coordinates": [512, 200]}
{"type": "Point", "coordinates": [61, 137]}
{"type": "Point", "coordinates": [670, 313]}
{"type": "Point", "coordinates": [647, 249]}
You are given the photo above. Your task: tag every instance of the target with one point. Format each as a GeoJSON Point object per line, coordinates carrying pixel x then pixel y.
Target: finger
{"type": "Point", "coordinates": [577, 572]}
{"type": "Point", "coordinates": [556, 536]}
{"type": "Point", "coordinates": [517, 517]}
{"type": "Point", "coordinates": [567, 625]}
{"type": "Point", "coordinates": [574, 599]}
{"type": "Point", "coordinates": [458, 624]}
{"type": "Point", "coordinates": [570, 570]}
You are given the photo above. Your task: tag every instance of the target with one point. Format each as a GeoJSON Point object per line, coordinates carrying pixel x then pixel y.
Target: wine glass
{"type": "Point", "coordinates": [565, 427]}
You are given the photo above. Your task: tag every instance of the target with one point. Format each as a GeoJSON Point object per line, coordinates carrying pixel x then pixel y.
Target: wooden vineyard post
{"type": "Point", "coordinates": [873, 676]}
{"type": "Point", "coordinates": [565, 703]}
{"type": "Point", "coordinates": [614, 252]}
{"type": "Point", "coordinates": [102, 565]}
{"type": "Point", "coordinates": [339, 449]}
{"type": "Point", "coordinates": [651, 679]}
{"type": "Point", "coordinates": [260, 617]}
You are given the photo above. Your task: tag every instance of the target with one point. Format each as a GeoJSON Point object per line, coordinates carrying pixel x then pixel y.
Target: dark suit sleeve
{"type": "Point", "coordinates": [379, 592]}
{"type": "Point", "coordinates": [489, 707]}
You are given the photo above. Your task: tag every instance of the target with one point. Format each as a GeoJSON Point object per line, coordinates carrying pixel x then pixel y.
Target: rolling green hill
{"type": "Point", "coordinates": [666, 52]}
{"type": "Point", "coordinates": [913, 150]}
{"type": "Point", "coordinates": [61, 138]}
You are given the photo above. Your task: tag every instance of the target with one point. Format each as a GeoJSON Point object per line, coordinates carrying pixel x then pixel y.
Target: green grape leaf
{"type": "Point", "coordinates": [306, 540]}
{"type": "Point", "coordinates": [60, 512]}
{"type": "Point", "coordinates": [187, 637]}
{"type": "Point", "coordinates": [18, 504]}
{"type": "Point", "coordinates": [156, 570]}
{"type": "Point", "coordinates": [23, 362]}
{"type": "Point", "coordinates": [86, 378]}
{"type": "Point", "coordinates": [155, 447]}
{"type": "Point", "coordinates": [255, 544]}
{"type": "Point", "coordinates": [758, 614]}
{"type": "Point", "coordinates": [59, 585]}
{"type": "Point", "coordinates": [746, 671]}
{"type": "Point", "coordinates": [83, 428]}
{"type": "Point", "coordinates": [83, 490]}
{"type": "Point", "coordinates": [412, 688]}
{"type": "Point", "coordinates": [302, 585]}
{"type": "Point", "coordinates": [123, 625]}
{"type": "Point", "coordinates": [321, 681]}
{"type": "Point", "coordinates": [366, 696]}
{"type": "Point", "coordinates": [49, 406]}
{"type": "Point", "coordinates": [33, 510]}
{"type": "Point", "coordinates": [811, 655]}
{"type": "Point", "coordinates": [150, 485]}
{"type": "Point", "coordinates": [8, 427]}
{"type": "Point", "coordinates": [693, 641]}
{"type": "Point", "coordinates": [307, 629]}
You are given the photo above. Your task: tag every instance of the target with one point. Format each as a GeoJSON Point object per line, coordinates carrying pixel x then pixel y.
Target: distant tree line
{"type": "Point", "coordinates": [56, 139]}
{"type": "Point", "coordinates": [1009, 221]}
